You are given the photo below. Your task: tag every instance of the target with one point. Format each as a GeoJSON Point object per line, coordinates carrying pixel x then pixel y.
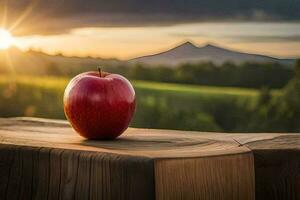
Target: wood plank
{"type": "Point", "coordinates": [42, 173]}
{"type": "Point", "coordinates": [83, 176]}
{"type": "Point", "coordinates": [35, 170]}
{"type": "Point", "coordinates": [277, 166]}
{"type": "Point", "coordinates": [15, 176]}
{"type": "Point", "coordinates": [219, 177]}
{"type": "Point", "coordinates": [6, 161]}
{"type": "Point", "coordinates": [121, 177]}
{"type": "Point", "coordinates": [145, 164]}
{"type": "Point", "coordinates": [55, 173]}
{"type": "Point", "coordinates": [69, 168]}
{"type": "Point", "coordinates": [27, 172]}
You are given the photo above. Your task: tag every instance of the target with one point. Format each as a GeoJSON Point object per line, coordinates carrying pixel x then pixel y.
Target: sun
{"type": "Point", "coordinates": [6, 39]}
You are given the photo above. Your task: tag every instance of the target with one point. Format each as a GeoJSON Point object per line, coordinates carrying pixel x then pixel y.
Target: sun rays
{"type": "Point", "coordinates": [7, 27]}
{"type": "Point", "coordinates": [16, 22]}
{"type": "Point", "coordinates": [24, 15]}
{"type": "Point", "coordinates": [6, 39]}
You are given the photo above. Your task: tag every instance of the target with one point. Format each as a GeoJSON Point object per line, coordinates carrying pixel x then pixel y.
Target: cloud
{"type": "Point", "coordinates": [265, 38]}
{"type": "Point", "coordinates": [244, 38]}
{"type": "Point", "coordinates": [60, 16]}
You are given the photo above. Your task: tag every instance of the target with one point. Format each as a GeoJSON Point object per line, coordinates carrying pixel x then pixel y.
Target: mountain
{"type": "Point", "coordinates": [190, 53]}
{"type": "Point", "coordinates": [39, 63]}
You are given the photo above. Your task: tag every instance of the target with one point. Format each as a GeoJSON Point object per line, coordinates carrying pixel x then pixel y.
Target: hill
{"type": "Point", "coordinates": [190, 53]}
{"type": "Point", "coordinates": [33, 62]}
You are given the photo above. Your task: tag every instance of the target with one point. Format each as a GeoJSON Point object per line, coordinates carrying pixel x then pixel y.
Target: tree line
{"type": "Point", "coordinates": [279, 113]}
{"type": "Point", "coordinates": [249, 74]}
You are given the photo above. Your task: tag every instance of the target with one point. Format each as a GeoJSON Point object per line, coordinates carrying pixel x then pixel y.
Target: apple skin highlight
{"type": "Point", "coordinates": [99, 105]}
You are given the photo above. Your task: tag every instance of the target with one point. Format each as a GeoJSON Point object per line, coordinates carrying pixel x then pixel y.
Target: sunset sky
{"type": "Point", "coordinates": [130, 28]}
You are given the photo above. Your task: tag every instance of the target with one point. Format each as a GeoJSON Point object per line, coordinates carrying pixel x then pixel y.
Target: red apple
{"type": "Point", "coordinates": [99, 105]}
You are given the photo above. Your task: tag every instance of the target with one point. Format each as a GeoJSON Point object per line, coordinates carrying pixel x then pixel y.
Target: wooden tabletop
{"type": "Point", "coordinates": [152, 143]}
{"type": "Point", "coordinates": [182, 164]}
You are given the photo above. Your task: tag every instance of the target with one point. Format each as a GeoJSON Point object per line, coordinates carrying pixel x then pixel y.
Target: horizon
{"type": "Point", "coordinates": [157, 52]}
{"type": "Point", "coordinates": [127, 43]}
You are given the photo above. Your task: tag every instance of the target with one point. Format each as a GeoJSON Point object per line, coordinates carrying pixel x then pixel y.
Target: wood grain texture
{"type": "Point", "coordinates": [219, 177]}
{"type": "Point", "coordinates": [6, 161]}
{"type": "Point", "coordinates": [136, 142]}
{"type": "Point", "coordinates": [69, 174]}
{"type": "Point", "coordinates": [277, 167]}
{"type": "Point", "coordinates": [46, 159]}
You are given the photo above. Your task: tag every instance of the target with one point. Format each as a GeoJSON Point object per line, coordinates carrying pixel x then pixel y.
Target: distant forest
{"type": "Point", "coordinates": [247, 75]}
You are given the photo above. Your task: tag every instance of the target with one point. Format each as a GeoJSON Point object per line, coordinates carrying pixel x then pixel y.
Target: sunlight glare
{"type": "Point", "coordinates": [6, 39]}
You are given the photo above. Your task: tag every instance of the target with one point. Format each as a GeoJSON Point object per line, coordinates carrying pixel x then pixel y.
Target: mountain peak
{"type": "Point", "coordinates": [209, 45]}
{"type": "Point", "coordinates": [188, 43]}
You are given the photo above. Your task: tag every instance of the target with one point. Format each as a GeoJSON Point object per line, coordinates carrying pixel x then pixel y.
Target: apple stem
{"type": "Point", "coordinates": [99, 69]}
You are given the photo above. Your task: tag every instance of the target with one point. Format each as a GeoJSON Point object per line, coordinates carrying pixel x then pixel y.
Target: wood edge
{"type": "Point", "coordinates": [9, 145]}
{"type": "Point", "coordinates": [36, 120]}
{"type": "Point", "coordinates": [241, 150]}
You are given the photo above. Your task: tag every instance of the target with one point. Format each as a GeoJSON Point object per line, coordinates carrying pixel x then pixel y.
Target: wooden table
{"type": "Point", "coordinates": [46, 159]}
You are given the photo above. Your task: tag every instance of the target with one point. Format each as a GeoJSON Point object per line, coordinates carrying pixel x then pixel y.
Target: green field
{"type": "Point", "coordinates": [58, 82]}
{"type": "Point", "coordinates": [160, 105]}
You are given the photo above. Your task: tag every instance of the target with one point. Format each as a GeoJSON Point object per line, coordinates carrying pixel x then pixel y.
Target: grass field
{"type": "Point", "coordinates": [58, 82]}
{"type": "Point", "coordinates": [160, 105]}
